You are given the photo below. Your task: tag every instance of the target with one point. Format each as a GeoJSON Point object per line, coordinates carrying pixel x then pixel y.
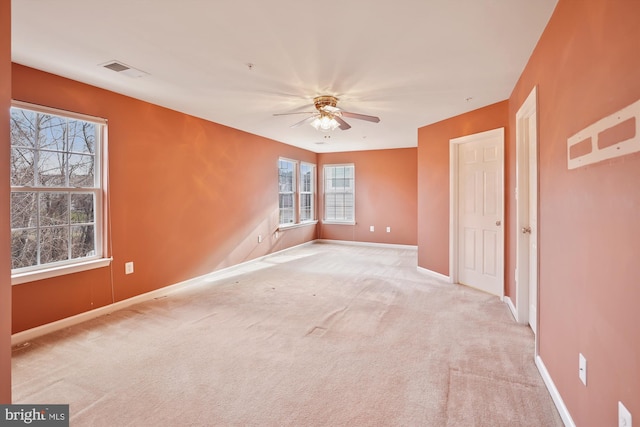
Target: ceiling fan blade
{"type": "Point", "coordinates": [331, 109]}
{"type": "Point", "coordinates": [288, 114]}
{"type": "Point", "coordinates": [361, 116]}
{"type": "Point", "coordinates": [343, 125]}
{"type": "Point", "coordinates": [302, 122]}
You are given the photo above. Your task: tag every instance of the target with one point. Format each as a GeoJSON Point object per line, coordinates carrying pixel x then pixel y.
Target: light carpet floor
{"type": "Point", "coordinates": [320, 335]}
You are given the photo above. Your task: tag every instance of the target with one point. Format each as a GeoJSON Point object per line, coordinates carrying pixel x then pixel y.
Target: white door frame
{"type": "Point", "coordinates": [525, 117]}
{"type": "Point", "coordinates": [454, 166]}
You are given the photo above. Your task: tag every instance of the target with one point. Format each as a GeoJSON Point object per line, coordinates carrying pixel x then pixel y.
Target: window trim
{"type": "Point", "coordinates": [102, 258]}
{"type": "Point", "coordinates": [59, 270]}
{"type": "Point", "coordinates": [313, 193]}
{"type": "Point", "coordinates": [324, 193]}
{"type": "Point", "coordinates": [294, 192]}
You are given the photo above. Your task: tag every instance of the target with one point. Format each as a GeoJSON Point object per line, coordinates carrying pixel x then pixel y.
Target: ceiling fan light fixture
{"type": "Point", "coordinates": [325, 123]}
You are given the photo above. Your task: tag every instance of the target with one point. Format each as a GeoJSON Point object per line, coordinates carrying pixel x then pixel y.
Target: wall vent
{"type": "Point", "coordinates": [122, 68]}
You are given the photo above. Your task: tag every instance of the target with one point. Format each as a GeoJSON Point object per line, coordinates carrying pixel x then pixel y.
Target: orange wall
{"type": "Point", "coordinates": [586, 67]}
{"type": "Point", "coordinates": [433, 179]}
{"type": "Point", "coordinates": [187, 197]}
{"type": "Point", "coordinates": [5, 239]}
{"type": "Point", "coordinates": [386, 189]}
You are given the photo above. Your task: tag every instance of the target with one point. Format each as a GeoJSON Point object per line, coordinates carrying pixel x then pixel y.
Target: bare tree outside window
{"type": "Point", "coordinates": [54, 188]}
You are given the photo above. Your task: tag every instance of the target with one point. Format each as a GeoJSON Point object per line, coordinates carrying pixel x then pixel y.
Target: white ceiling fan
{"type": "Point", "coordinates": [328, 116]}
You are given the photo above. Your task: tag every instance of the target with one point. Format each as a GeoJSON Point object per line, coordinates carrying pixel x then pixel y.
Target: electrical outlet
{"type": "Point", "coordinates": [624, 416]}
{"type": "Point", "coordinates": [372, 228]}
{"type": "Point", "coordinates": [259, 238]}
{"type": "Point", "coordinates": [582, 369]}
{"type": "Point", "coordinates": [388, 229]}
{"type": "Point", "coordinates": [128, 268]}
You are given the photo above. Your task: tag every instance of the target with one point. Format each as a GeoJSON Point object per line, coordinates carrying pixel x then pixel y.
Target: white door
{"type": "Point", "coordinates": [527, 212]}
{"type": "Point", "coordinates": [480, 212]}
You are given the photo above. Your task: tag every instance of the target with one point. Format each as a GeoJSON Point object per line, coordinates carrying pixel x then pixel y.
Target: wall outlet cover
{"type": "Point", "coordinates": [582, 369]}
{"type": "Point", "coordinates": [624, 416]}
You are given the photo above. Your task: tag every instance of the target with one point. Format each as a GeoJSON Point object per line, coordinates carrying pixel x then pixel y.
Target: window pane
{"type": "Point", "coordinates": [52, 132]}
{"type": "Point", "coordinates": [82, 241]}
{"type": "Point", "coordinates": [286, 209]}
{"type": "Point", "coordinates": [286, 180]}
{"type": "Point", "coordinates": [54, 244]}
{"type": "Point", "coordinates": [23, 128]}
{"type": "Point", "coordinates": [23, 210]}
{"type": "Point", "coordinates": [82, 136]}
{"type": "Point", "coordinates": [81, 208]}
{"type": "Point", "coordinates": [330, 206]}
{"type": "Point", "coordinates": [24, 248]}
{"type": "Point", "coordinates": [22, 170]}
{"type": "Point", "coordinates": [52, 169]}
{"type": "Point", "coordinates": [81, 171]}
{"type": "Point", "coordinates": [305, 207]}
{"type": "Point", "coordinates": [54, 209]}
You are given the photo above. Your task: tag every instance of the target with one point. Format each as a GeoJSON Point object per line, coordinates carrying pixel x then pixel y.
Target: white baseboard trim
{"type": "Point", "coordinates": [434, 274]}
{"type": "Point", "coordinates": [372, 244]}
{"type": "Point", "coordinates": [555, 394]}
{"type": "Point", "coordinates": [512, 308]}
{"type": "Point", "coordinates": [38, 331]}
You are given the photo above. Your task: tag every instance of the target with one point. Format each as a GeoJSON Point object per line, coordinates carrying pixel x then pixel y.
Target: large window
{"type": "Point", "coordinates": [339, 193]}
{"type": "Point", "coordinates": [56, 188]}
{"type": "Point", "coordinates": [307, 192]}
{"type": "Point", "coordinates": [287, 189]}
{"type": "Point", "coordinates": [297, 192]}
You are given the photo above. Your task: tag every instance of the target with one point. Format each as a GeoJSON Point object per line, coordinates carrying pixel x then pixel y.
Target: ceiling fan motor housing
{"type": "Point", "coordinates": [324, 101]}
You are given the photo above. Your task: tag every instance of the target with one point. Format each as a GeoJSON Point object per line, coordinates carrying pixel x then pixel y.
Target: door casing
{"type": "Point", "coordinates": [526, 201]}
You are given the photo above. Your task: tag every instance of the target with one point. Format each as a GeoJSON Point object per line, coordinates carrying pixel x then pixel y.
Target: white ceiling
{"type": "Point", "coordinates": [410, 62]}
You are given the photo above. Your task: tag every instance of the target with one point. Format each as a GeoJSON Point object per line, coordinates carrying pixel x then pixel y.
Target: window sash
{"type": "Point", "coordinates": [339, 193]}
{"type": "Point", "coordinates": [70, 227]}
{"type": "Point", "coordinates": [307, 192]}
{"type": "Point", "coordinates": [287, 170]}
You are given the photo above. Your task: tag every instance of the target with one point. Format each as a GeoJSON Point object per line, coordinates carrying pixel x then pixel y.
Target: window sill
{"type": "Point", "coordinates": [283, 227]}
{"type": "Point", "coordinates": [339, 222]}
{"type": "Point", "coordinates": [31, 276]}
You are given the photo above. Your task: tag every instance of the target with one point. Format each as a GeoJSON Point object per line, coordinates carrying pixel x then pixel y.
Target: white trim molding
{"type": "Point", "coordinates": [507, 300]}
{"type": "Point", "coordinates": [555, 394]}
{"type": "Point", "coordinates": [434, 274]}
{"type": "Point", "coordinates": [372, 244]}
{"type": "Point", "coordinates": [46, 273]}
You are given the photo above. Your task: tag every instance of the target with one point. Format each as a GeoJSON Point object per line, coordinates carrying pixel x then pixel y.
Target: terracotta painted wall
{"type": "Point", "coordinates": [433, 179]}
{"type": "Point", "coordinates": [586, 67]}
{"type": "Point", "coordinates": [187, 197]}
{"type": "Point", "coordinates": [5, 259]}
{"type": "Point", "coordinates": [386, 188]}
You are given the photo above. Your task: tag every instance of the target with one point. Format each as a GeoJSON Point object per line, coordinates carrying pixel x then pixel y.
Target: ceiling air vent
{"type": "Point", "coordinates": [119, 67]}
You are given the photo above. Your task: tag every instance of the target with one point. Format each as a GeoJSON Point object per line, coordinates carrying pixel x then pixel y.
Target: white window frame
{"type": "Point", "coordinates": [293, 193]}
{"type": "Point", "coordinates": [58, 268]}
{"type": "Point", "coordinates": [312, 192]}
{"type": "Point", "coordinates": [326, 190]}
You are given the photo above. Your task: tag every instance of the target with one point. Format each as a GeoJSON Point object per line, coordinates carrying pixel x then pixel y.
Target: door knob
{"type": "Point", "coordinates": [498, 222]}
{"type": "Point", "coordinates": [526, 230]}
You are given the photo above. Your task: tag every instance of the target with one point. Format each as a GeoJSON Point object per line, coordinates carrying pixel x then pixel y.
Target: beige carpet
{"type": "Point", "coordinates": [321, 335]}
